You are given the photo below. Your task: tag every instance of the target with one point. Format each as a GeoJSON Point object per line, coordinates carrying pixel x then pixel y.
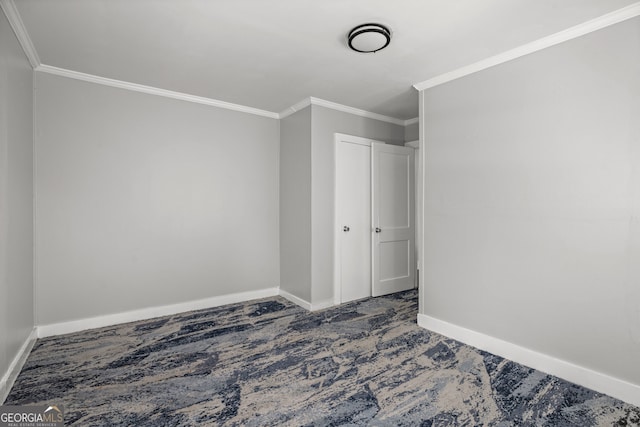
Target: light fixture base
{"type": "Point", "coordinates": [369, 38]}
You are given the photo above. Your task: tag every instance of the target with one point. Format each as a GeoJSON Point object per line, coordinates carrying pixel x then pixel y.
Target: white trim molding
{"type": "Point", "coordinates": [590, 26]}
{"type": "Point", "coordinates": [217, 103]}
{"type": "Point", "coordinates": [6, 383]}
{"type": "Point", "coordinates": [345, 109]}
{"type": "Point", "coordinates": [413, 144]}
{"type": "Point", "coordinates": [150, 313]}
{"type": "Point", "coordinates": [153, 91]}
{"type": "Point", "coordinates": [11, 12]}
{"type": "Point", "coordinates": [411, 121]}
{"type": "Point", "coordinates": [306, 304]}
{"type": "Point", "coordinates": [295, 108]}
{"type": "Point", "coordinates": [294, 299]}
{"type": "Point", "coordinates": [355, 111]}
{"type": "Point", "coordinates": [580, 375]}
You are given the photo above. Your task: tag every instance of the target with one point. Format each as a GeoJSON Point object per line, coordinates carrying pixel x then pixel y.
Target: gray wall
{"type": "Point", "coordinates": [146, 201]}
{"type": "Point", "coordinates": [412, 132]}
{"type": "Point", "coordinates": [532, 186]}
{"type": "Point", "coordinates": [324, 123]}
{"type": "Point", "coordinates": [16, 198]}
{"type": "Point", "coordinates": [295, 204]}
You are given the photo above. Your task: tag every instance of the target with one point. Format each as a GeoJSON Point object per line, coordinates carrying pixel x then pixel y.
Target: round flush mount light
{"type": "Point", "coordinates": [368, 38]}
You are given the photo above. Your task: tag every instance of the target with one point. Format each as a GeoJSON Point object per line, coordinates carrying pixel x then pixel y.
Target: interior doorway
{"type": "Point", "coordinates": [374, 238]}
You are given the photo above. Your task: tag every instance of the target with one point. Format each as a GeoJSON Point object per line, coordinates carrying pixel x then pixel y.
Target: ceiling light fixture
{"type": "Point", "coordinates": [368, 38]}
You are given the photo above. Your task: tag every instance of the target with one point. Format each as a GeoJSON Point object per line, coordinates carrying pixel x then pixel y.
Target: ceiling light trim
{"type": "Point", "coordinates": [154, 91]}
{"type": "Point", "coordinates": [13, 16]}
{"type": "Point", "coordinates": [576, 31]}
{"type": "Point", "coordinates": [365, 29]}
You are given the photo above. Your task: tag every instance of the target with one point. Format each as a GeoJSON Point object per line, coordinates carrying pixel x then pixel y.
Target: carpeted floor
{"type": "Point", "coordinates": [270, 363]}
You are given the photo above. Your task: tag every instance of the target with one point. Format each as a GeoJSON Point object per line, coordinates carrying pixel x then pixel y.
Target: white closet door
{"type": "Point", "coordinates": [353, 217]}
{"type": "Point", "coordinates": [393, 219]}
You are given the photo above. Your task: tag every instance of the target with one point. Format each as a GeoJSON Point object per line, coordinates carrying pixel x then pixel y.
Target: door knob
{"type": "Point", "coordinates": [345, 228]}
{"type": "Point", "coordinates": [378, 230]}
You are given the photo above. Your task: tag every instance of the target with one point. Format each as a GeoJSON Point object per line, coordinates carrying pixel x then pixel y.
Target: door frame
{"type": "Point", "coordinates": [418, 202]}
{"type": "Point", "coordinates": [337, 268]}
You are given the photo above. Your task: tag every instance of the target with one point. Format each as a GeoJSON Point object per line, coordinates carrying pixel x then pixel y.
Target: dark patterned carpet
{"type": "Point", "coordinates": [270, 363]}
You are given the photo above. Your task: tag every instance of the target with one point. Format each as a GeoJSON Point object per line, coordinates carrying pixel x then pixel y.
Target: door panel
{"type": "Point", "coordinates": [394, 210]}
{"type": "Point", "coordinates": [353, 198]}
{"type": "Point", "coordinates": [393, 260]}
{"type": "Point", "coordinates": [393, 230]}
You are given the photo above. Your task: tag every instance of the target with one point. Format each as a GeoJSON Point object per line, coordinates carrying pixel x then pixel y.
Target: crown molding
{"type": "Point", "coordinates": [603, 21]}
{"type": "Point", "coordinates": [345, 109]}
{"type": "Point", "coordinates": [11, 12]}
{"type": "Point", "coordinates": [217, 103]}
{"type": "Point", "coordinates": [153, 91]}
{"type": "Point", "coordinates": [355, 111]}
{"type": "Point", "coordinates": [295, 108]}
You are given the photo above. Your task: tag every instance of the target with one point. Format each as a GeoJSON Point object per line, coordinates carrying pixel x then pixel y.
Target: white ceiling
{"type": "Point", "coordinates": [270, 54]}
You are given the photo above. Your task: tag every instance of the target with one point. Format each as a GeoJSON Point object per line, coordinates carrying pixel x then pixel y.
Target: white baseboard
{"type": "Point", "coordinates": [585, 377]}
{"type": "Point", "coordinates": [150, 313]}
{"type": "Point", "coordinates": [294, 299]}
{"type": "Point", "coordinates": [16, 365]}
{"type": "Point", "coordinates": [306, 304]}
